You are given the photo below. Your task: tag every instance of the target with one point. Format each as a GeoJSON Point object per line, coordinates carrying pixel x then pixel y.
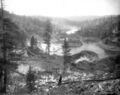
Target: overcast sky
{"type": "Point", "coordinates": [63, 8]}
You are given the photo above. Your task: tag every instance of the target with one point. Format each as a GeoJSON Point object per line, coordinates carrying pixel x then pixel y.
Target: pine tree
{"type": "Point", "coordinates": [33, 42]}
{"type": "Point", "coordinates": [66, 53]}
{"type": "Point", "coordinates": [3, 59]}
{"type": "Point", "coordinates": [117, 59]}
{"type": "Point", "coordinates": [66, 59]}
{"type": "Point", "coordinates": [30, 80]}
{"type": "Point", "coordinates": [7, 44]}
{"type": "Point", "coordinates": [47, 36]}
{"type": "Point", "coordinates": [34, 50]}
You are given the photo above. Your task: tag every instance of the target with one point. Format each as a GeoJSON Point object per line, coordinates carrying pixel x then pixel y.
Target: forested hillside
{"type": "Point", "coordinates": [97, 27]}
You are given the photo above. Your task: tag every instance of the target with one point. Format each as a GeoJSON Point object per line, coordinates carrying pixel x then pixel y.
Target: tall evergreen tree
{"type": "Point", "coordinates": [66, 53]}
{"type": "Point", "coordinates": [47, 36]}
{"type": "Point", "coordinates": [8, 42]}
{"type": "Point", "coordinates": [3, 46]}
{"type": "Point", "coordinates": [66, 58]}
{"type": "Point", "coordinates": [117, 59]}
{"type": "Point", "coordinates": [33, 42]}
{"type": "Point", "coordinates": [30, 80]}
{"type": "Point", "coordinates": [7, 45]}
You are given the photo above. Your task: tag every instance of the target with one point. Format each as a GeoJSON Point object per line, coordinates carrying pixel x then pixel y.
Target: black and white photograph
{"type": "Point", "coordinates": [59, 47]}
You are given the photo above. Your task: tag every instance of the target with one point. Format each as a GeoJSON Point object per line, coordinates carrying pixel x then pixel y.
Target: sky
{"type": "Point", "coordinates": [63, 8]}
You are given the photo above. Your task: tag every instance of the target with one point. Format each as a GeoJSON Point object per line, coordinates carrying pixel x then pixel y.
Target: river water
{"type": "Point", "coordinates": [57, 49]}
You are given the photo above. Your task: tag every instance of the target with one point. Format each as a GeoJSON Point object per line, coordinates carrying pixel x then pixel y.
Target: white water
{"type": "Point", "coordinates": [57, 49]}
{"type": "Point", "coordinates": [91, 47]}
{"type": "Point", "coordinates": [54, 48]}
{"type": "Point", "coordinates": [72, 30]}
{"type": "Point", "coordinates": [82, 59]}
